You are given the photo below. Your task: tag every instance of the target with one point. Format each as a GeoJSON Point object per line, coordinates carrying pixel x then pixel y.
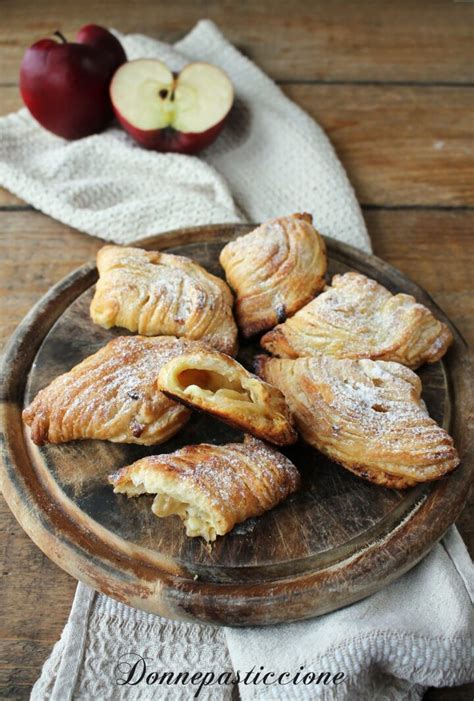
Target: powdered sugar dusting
{"type": "Point", "coordinates": [238, 480]}
{"type": "Point", "coordinates": [111, 395]}
{"type": "Point", "coordinates": [357, 317]}
{"type": "Point", "coordinates": [156, 293]}
{"type": "Point", "coordinates": [365, 414]}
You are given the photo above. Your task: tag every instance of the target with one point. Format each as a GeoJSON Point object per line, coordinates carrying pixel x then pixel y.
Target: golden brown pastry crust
{"type": "Point", "coordinates": [366, 415]}
{"type": "Point", "coordinates": [212, 382]}
{"type": "Point", "coordinates": [111, 395]}
{"type": "Point", "coordinates": [158, 294]}
{"type": "Point", "coordinates": [211, 487]}
{"type": "Point", "coordinates": [359, 318]}
{"type": "Point", "coordinates": [274, 270]}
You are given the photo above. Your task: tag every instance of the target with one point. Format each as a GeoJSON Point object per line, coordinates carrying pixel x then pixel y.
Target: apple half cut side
{"type": "Point", "coordinates": [181, 113]}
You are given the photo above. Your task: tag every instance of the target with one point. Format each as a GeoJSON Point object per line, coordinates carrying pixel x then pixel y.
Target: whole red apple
{"type": "Point", "coordinates": [66, 85]}
{"type": "Point", "coordinates": [183, 113]}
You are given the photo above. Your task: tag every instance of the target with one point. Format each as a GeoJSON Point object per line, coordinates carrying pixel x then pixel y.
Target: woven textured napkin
{"type": "Point", "coordinates": [271, 159]}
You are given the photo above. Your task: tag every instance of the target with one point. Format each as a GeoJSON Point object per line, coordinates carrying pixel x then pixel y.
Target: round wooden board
{"type": "Point", "coordinates": [336, 541]}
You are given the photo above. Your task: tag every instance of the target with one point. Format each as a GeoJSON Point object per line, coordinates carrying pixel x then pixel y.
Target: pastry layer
{"type": "Point", "coordinates": [358, 318]}
{"type": "Point", "coordinates": [111, 395]}
{"type": "Point", "coordinates": [212, 382]}
{"type": "Point", "coordinates": [211, 488]}
{"type": "Point", "coordinates": [366, 415]}
{"type": "Point", "coordinates": [274, 270]}
{"type": "Point", "coordinates": [158, 294]}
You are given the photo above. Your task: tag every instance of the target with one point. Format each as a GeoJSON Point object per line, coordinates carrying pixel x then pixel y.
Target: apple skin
{"type": "Point", "coordinates": [111, 50]}
{"type": "Point", "coordinates": [170, 140]}
{"type": "Point", "coordinates": [65, 86]}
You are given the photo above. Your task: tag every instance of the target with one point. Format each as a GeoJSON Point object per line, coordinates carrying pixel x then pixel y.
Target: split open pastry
{"type": "Point", "coordinates": [359, 318]}
{"type": "Point", "coordinates": [211, 487]}
{"type": "Point", "coordinates": [212, 382]}
{"type": "Point", "coordinates": [111, 395]}
{"type": "Point", "coordinates": [158, 294]}
{"type": "Point", "coordinates": [274, 270]}
{"type": "Point", "coordinates": [367, 415]}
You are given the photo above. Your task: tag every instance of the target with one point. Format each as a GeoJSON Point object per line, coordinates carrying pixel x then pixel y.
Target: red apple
{"type": "Point", "coordinates": [66, 85]}
{"type": "Point", "coordinates": [182, 113]}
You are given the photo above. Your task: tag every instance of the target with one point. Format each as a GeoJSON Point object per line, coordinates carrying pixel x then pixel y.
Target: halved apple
{"type": "Point", "coordinates": [182, 113]}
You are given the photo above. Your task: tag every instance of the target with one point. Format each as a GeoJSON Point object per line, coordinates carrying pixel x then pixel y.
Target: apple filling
{"type": "Point", "coordinates": [173, 499]}
{"type": "Point", "coordinates": [216, 384]}
{"type": "Point", "coordinates": [212, 386]}
{"type": "Point", "coordinates": [195, 520]}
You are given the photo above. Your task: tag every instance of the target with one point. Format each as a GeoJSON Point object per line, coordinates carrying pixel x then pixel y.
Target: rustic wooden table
{"type": "Point", "coordinates": [392, 85]}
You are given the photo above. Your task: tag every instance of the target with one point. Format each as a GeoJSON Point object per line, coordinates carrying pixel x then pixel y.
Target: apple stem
{"type": "Point", "coordinates": [61, 36]}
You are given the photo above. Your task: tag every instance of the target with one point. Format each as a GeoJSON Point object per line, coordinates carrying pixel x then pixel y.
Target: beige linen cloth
{"type": "Point", "coordinates": [271, 159]}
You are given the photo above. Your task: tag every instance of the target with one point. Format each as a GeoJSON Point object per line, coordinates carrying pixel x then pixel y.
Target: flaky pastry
{"type": "Point", "coordinates": [111, 395]}
{"type": "Point", "coordinates": [359, 318]}
{"type": "Point", "coordinates": [274, 270]}
{"type": "Point", "coordinates": [367, 415]}
{"type": "Point", "coordinates": [158, 294]}
{"type": "Point", "coordinates": [212, 382]}
{"type": "Point", "coordinates": [211, 487]}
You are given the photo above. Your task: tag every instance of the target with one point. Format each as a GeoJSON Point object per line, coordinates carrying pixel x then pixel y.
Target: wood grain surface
{"type": "Point", "coordinates": [341, 48]}
{"type": "Point", "coordinates": [344, 40]}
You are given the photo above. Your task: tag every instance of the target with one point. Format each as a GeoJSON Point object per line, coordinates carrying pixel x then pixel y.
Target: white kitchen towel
{"type": "Point", "coordinates": [415, 633]}
{"type": "Point", "coordinates": [271, 159]}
